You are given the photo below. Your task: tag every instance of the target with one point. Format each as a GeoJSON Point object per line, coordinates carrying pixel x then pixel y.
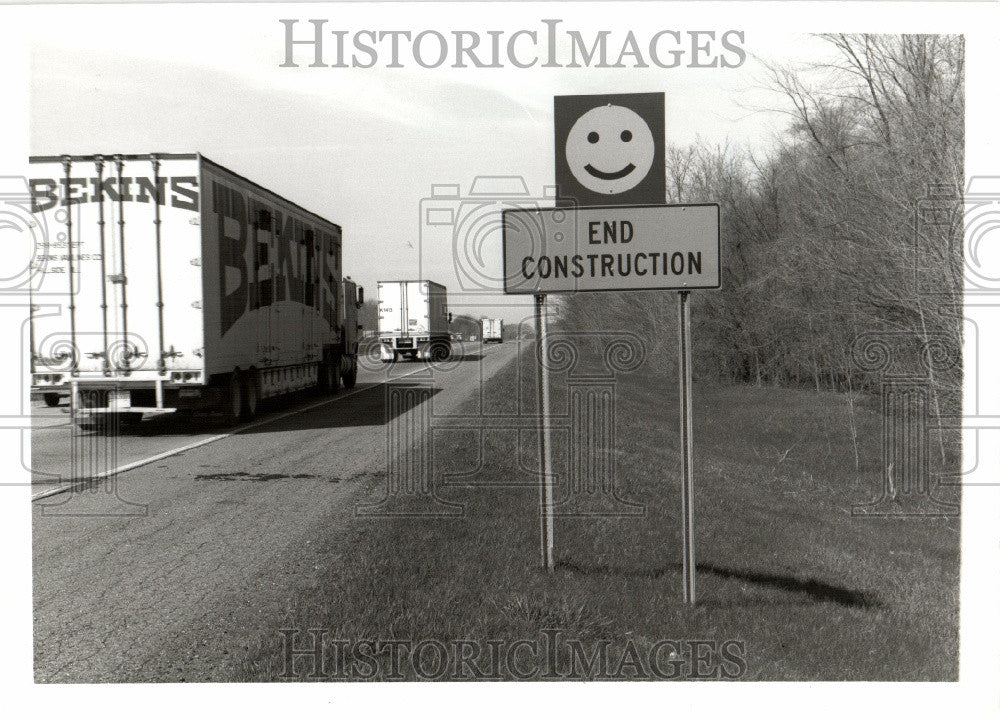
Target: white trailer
{"type": "Point", "coordinates": [492, 330]}
{"type": "Point", "coordinates": [413, 320]}
{"type": "Point", "coordinates": [169, 283]}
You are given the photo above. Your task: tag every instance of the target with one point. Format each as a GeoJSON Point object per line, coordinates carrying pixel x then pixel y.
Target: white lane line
{"type": "Point", "coordinates": [215, 438]}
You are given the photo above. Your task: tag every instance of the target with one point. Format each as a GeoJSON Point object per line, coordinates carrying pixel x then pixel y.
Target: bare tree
{"type": "Point", "coordinates": [822, 238]}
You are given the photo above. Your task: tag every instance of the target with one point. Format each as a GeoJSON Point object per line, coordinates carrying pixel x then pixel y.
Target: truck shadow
{"type": "Point", "coordinates": [440, 365]}
{"type": "Point", "coordinates": [473, 352]}
{"type": "Point", "coordinates": [370, 404]}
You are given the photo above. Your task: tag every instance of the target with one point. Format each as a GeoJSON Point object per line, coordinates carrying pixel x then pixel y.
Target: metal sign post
{"type": "Point", "coordinates": [687, 483]}
{"type": "Point", "coordinates": [544, 435]}
{"type": "Point", "coordinates": [610, 231]}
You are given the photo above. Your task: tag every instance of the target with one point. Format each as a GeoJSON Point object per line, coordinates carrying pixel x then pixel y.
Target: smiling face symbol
{"type": "Point", "coordinates": [610, 149]}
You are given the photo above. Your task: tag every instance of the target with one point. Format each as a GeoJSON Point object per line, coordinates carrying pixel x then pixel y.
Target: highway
{"type": "Point", "coordinates": [169, 571]}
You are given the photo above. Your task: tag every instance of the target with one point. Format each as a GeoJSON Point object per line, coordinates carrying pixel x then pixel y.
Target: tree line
{"type": "Point", "coordinates": [840, 242]}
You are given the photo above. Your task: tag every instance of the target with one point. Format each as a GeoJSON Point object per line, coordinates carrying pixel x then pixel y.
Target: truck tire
{"type": "Point", "coordinates": [51, 399]}
{"type": "Point", "coordinates": [329, 377]}
{"type": "Point", "coordinates": [232, 410]}
{"type": "Point", "coordinates": [351, 378]}
{"type": "Point", "coordinates": [252, 385]}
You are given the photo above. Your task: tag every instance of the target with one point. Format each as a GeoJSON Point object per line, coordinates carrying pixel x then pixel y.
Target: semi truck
{"type": "Point", "coordinates": [166, 282]}
{"type": "Point", "coordinates": [413, 320]}
{"type": "Point", "coordinates": [492, 330]}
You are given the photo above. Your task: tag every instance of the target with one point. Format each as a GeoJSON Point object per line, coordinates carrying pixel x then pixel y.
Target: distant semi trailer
{"type": "Point", "coordinates": [169, 283]}
{"type": "Point", "coordinates": [413, 320]}
{"type": "Point", "coordinates": [492, 330]}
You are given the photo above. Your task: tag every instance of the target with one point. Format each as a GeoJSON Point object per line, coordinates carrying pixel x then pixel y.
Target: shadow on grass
{"type": "Point", "coordinates": [814, 589]}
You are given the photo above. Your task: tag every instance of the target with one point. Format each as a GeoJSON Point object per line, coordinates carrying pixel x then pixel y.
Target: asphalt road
{"type": "Point", "coordinates": [167, 571]}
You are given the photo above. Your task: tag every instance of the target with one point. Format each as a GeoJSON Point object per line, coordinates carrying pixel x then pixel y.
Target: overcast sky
{"type": "Point", "coordinates": [363, 147]}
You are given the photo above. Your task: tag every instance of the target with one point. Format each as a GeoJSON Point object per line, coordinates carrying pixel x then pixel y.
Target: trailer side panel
{"type": "Point", "coordinates": [271, 277]}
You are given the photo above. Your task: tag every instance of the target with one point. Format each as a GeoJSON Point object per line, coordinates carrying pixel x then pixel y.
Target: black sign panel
{"type": "Point", "coordinates": [610, 149]}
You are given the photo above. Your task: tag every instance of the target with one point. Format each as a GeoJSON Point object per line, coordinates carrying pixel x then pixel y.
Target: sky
{"type": "Point", "coordinates": [364, 147]}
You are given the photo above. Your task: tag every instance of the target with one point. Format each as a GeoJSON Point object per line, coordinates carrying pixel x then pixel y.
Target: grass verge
{"type": "Point", "coordinates": [791, 586]}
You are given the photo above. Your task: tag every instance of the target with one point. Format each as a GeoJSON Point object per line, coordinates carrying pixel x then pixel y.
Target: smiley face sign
{"type": "Point", "coordinates": [609, 149]}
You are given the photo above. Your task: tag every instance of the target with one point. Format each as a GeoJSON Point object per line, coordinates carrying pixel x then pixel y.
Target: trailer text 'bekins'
{"type": "Point", "coordinates": [171, 283]}
{"type": "Point", "coordinates": [49, 192]}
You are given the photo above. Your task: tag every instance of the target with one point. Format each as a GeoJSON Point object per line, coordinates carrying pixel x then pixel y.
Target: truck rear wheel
{"type": "Point", "coordinates": [351, 377]}
{"type": "Point", "coordinates": [329, 377]}
{"type": "Point", "coordinates": [51, 399]}
{"type": "Point", "coordinates": [235, 397]}
{"type": "Point", "coordinates": [252, 393]}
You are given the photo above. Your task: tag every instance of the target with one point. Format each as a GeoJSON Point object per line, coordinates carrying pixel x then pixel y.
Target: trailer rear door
{"type": "Point", "coordinates": [121, 266]}
{"type": "Point", "coordinates": [418, 314]}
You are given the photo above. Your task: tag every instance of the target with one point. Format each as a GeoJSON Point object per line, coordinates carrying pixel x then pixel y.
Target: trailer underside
{"type": "Point", "coordinates": [234, 395]}
{"type": "Point", "coordinates": [431, 348]}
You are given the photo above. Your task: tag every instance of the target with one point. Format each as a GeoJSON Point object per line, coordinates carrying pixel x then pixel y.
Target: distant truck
{"type": "Point", "coordinates": [169, 283]}
{"type": "Point", "coordinates": [413, 320]}
{"type": "Point", "coordinates": [492, 330]}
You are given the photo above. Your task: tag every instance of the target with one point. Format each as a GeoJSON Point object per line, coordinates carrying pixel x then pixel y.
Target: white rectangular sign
{"type": "Point", "coordinates": [644, 247]}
